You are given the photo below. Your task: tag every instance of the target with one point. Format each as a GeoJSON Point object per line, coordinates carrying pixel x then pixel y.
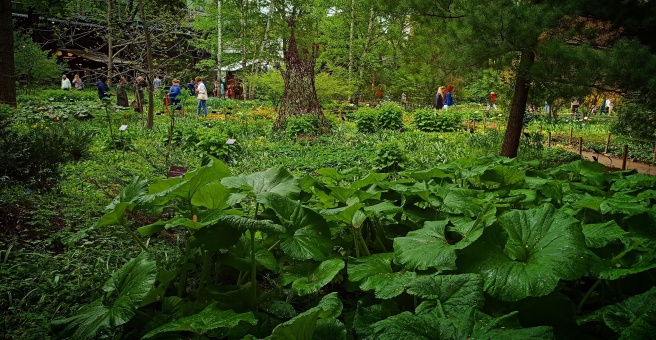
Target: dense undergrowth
{"type": "Point", "coordinates": [309, 237]}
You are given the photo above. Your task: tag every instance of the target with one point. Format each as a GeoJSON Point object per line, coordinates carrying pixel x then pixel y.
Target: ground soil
{"type": "Point", "coordinates": [613, 163]}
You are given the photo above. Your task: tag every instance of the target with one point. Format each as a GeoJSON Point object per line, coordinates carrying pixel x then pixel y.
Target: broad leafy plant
{"type": "Point", "coordinates": [462, 250]}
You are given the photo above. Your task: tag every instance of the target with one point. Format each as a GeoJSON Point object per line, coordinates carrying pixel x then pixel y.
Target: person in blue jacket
{"type": "Point", "coordinates": [174, 93]}
{"type": "Point", "coordinates": [103, 88]}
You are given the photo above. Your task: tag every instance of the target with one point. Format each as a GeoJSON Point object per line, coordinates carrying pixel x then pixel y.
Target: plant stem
{"type": "Point", "coordinates": [355, 242]}
{"type": "Point", "coordinates": [586, 296]}
{"type": "Point", "coordinates": [135, 237]}
{"type": "Point", "coordinates": [364, 244]}
{"type": "Point", "coordinates": [253, 264]}
{"type": "Point", "coordinates": [183, 280]}
{"type": "Point", "coordinates": [274, 245]}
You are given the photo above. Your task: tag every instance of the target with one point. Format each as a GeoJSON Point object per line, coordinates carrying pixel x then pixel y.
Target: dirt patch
{"type": "Point", "coordinates": [613, 163]}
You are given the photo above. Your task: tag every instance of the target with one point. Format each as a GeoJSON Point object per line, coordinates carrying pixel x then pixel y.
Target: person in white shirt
{"type": "Point", "coordinates": [65, 83]}
{"type": "Point", "coordinates": [201, 90]}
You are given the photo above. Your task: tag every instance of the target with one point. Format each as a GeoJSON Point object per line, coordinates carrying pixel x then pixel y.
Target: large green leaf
{"type": "Point", "coordinates": [601, 234]}
{"type": "Point", "coordinates": [190, 184]}
{"type": "Point", "coordinates": [212, 196]}
{"type": "Point", "coordinates": [375, 273]}
{"type": "Point", "coordinates": [137, 188]}
{"type": "Point", "coordinates": [505, 176]}
{"type": "Point", "coordinates": [423, 327]}
{"type": "Point", "coordinates": [426, 248]}
{"type": "Point", "coordinates": [470, 230]}
{"type": "Point", "coordinates": [307, 236]}
{"type": "Point", "coordinates": [244, 223]}
{"type": "Point", "coordinates": [302, 326]}
{"type": "Point", "coordinates": [365, 317]}
{"type": "Point", "coordinates": [208, 319]}
{"type": "Point", "coordinates": [276, 180]}
{"type": "Point", "coordinates": [454, 294]}
{"type": "Point", "coordinates": [319, 277]}
{"type": "Point", "coordinates": [131, 283]}
{"type": "Point", "coordinates": [528, 255]}
{"type": "Point", "coordinates": [633, 318]}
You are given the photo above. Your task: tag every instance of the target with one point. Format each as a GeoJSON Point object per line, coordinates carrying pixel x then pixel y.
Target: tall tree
{"type": "Point", "coordinates": [8, 83]}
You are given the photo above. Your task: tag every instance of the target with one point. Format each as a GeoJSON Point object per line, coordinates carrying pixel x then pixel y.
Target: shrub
{"type": "Point", "coordinates": [212, 143]}
{"type": "Point", "coordinates": [366, 120]}
{"type": "Point", "coordinates": [425, 120]}
{"type": "Point", "coordinates": [448, 121]}
{"type": "Point", "coordinates": [636, 121]}
{"type": "Point", "coordinates": [390, 157]}
{"type": "Point", "coordinates": [390, 116]}
{"type": "Point", "coordinates": [31, 151]}
{"type": "Point", "coordinates": [302, 125]}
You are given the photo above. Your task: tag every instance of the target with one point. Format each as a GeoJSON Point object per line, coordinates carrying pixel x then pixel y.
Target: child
{"type": "Point", "coordinates": [65, 83]}
{"type": "Point", "coordinates": [174, 93]}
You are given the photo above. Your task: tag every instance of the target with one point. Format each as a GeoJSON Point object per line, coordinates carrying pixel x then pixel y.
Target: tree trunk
{"type": "Point", "coordinates": [219, 41]}
{"type": "Point", "coordinates": [110, 45]}
{"type": "Point", "coordinates": [351, 35]}
{"type": "Point", "coordinates": [516, 117]}
{"type": "Point", "coordinates": [242, 21]}
{"type": "Point", "coordinates": [149, 61]}
{"type": "Point", "coordinates": [300, 95]}
{"type": "Point", "coordinates": [7, 72]}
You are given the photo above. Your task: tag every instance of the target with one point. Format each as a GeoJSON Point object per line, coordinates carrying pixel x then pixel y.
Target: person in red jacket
{"type": "Point", "coordinates": [493, 101]}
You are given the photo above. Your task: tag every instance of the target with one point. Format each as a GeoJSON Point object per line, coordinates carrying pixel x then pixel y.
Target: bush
{"type": "Point", "coordinates": [448, 121]}
{"type": "Point", "coordinates": [425, 120]}
{"type": "Point", "coordinates": [366, 120]}
{"type": "Point", "coordinates": [211, 143]}
{"type": "Point", "coordinates": [635, 121]}
{"type": "Point", "coordinates": [302, 125]}
{"type": "Point", "coordinates": [390, 157]}
{"type": "Point", "coordinates": [33, 154]}
{"type": "Point", "coordinates": [390, 117]}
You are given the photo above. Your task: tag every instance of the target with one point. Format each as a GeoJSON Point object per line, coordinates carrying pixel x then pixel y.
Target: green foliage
{"type": "Point", "coordinates": [390, 117]}
{"type": "Point", "coordinates": [425, 119]}
{"type": "Point", "coordinates": [366, 119]}
{"type": "Point", "coordinates": [212, 143]}
{"type": "Point", "coordinates": [34, 63]}
{"type": "Point", "coordinates": [390, 157]}
{"type": "Point", "coordinates": [449, 121]}
{"type": "Point", "coordinates": [636, 121]}
{"type": "Point", "coordinates": [302, 125]}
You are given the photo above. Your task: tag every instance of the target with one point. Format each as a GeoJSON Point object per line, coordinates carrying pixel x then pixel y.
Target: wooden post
{"type": "Point", "coordinates": [654, 151]}
{"type": "Point", "coordinates": [484, 123]}
{"type": "Point", "coordinates": [498, 127]}
{"type": "Point", "coordinates": [607, 143]}
{"type": "Point", "coordinates": [468, 122]}
{"type": "Point", "coordinates": [571, 132]}
{"type": "Point", "coordinates": [474, 125]}
{"type": "Point", "coordinates": [540, 129]}
{"type": "Point", "coordinates": [580, 146]}
{"type": "Point", "coordinates": [626, 154]}
{"type": "Point", "coordinates": [549, 139]}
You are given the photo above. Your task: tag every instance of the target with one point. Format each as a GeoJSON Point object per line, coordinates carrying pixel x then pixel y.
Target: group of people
{"type": "Point", "coordinates": [196, 87]}
{"type": "Point", "coordinates": [77, 83]}
{"type": "Point", "coordinates": [444, 98]}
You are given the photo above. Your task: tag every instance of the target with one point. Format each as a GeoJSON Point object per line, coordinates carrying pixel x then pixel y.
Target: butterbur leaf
{"type": "Point", "coordinates": [243, 223]}
{"type": "Point", "coordinates": [426, 248]}
{"type": "Point", "coordinates": [505, 176]}
{"type": "Point", "coordinates": [137, 188]}
{"type": "Point", "coordinates": [329, 329]}
{"type": "Point", "coordinates": [302, 326]}
{"type": "Point", "coordinates": [276, 180]}
{"type": "Point", "coordinates": [131, 283]}
{"type": "Point", "coordinates": [528, 255]}
{"type": "Point", "coordinates": [375, 273]}
{"type": "Point", "coordinates": [208, 319]}
{"type": "Point", "coordinates": [319, 277]}
{"type": "Point", "coordinates": [455, 293]}
{"type": "Point", "coordinates": [506, 327]}
{"type": "Point", "coordinates": [212, 196]}
{"type": "Point", "coordinates": [633, 318]}
{"type": "Point", "coordinates": [423, 327]}
{"type": "Point", "coordinates": [601, 234]}
{"type": "Point", "coordinates": [365, 317]}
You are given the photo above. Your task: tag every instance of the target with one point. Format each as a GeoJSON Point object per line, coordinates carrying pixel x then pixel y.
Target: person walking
{"type": "Point", "coordinates": [78, 83]}
{"type": "Point", "coordinates": [493, 101]}
{"type": "Point", "coordinates": [140, 84]}
{"type": "Point", "coordinates": [438, 102]}
{"type": "Point", "coordinates": [103, 88]}
{"type": "Point", "coordinates": [65, 83]}
{"type": "Point", "coordinates": [157, 83]}
{"type": "Point", "coordinates": [201, 90]}
{"type": "Point", "coordinates": [122, 93]}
